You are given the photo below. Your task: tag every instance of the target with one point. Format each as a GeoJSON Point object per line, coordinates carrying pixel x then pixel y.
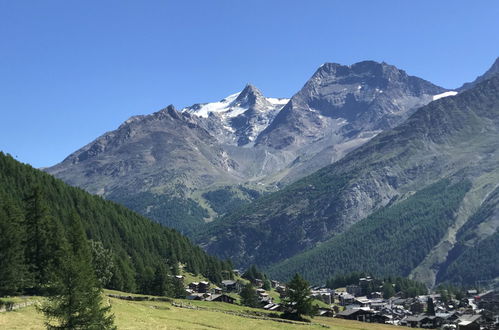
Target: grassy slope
{"type": "Point", "coordinates": [162, 315]}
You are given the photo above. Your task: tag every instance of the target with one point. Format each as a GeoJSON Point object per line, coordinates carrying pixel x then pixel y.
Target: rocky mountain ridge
{"type": "Point", "coordinates": [174, 165]}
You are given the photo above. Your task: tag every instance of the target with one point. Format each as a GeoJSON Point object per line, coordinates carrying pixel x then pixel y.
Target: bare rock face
{"type": "Point", "coordinates": [340, 108]}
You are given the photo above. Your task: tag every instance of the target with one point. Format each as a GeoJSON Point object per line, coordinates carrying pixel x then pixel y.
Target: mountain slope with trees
{"type": "Point", "coordinates": [36, 209]}
{"type": "Point", "coordinates": [454, 137]}
{"type": "Point", "coordinates": [391, 241]}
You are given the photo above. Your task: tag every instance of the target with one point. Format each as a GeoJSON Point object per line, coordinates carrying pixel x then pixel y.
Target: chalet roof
{"type": "Point", "coordinates": [228, 282]}
{"type": "Point", "coordinates": [468, 319]}
{"type": "Point", "coordinates": [347, 296]}
{"type": "Point", "coordinates": [348, 312]}
{"type": "Point", "coordinates": [399, 301]}
{"type": "Point", "coordinates": [417, 318]}
{"type": "Point", "coordinates": [212, 297]}
{"type": "Point", "coordinates": [216, 296]}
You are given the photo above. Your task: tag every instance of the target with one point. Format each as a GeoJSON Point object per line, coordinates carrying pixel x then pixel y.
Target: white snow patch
{"type": "Point", "coordinates": [439, 96]}
{"type": "Point", "coordinates": [214, 107]}
{"type": "Point", "coordinates": [275, 101]}
{"type": "Point", "coordinates": [226, 108]}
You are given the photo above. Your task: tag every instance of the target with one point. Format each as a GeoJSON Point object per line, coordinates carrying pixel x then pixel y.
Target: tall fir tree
{"type": "Point", "coordinates": [76, 296]}
{"type": "Point", "coordinates": [39, 244]}
{"type": "Point", "coordinates": [160, 285]}
{"type": "Point", "coordinates": [298, 299]}
{"type": "Point", "coordinates": [13, 271]}
{"type": "Point", "coordinates": [249, 296]}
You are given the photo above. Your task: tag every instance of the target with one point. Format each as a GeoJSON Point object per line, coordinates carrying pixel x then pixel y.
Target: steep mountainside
{"type": "Point", "coordinates": [152, 163]}
{"type": "Point", "coordinates": [138, 246]}
{"type": "Point", "coordinates": [161, 164]}
{"type": "Point", "coordinates": [173, 166]}
{"type": "Point", "coordinates": [454, 137]}
{"type": "Point", "coordinates": [340, 108]}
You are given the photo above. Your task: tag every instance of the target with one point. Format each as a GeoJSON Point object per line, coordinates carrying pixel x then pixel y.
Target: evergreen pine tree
{"type": "Point", "coordinates": [76, 297]}
{"type": "Point", "coordinates": [177, 289]}
{"type": "Point", "coordinates": [249, 296]}
{"type": "Point", "coordinates": [13, 272]}
{"type": "Point", "coordinates": [298, 301]}
{"type": "Point", "coordinates": [160, 285]}
{"type": "Point", "coordinates": [38, 239]}
{"type": "Point", "coordinates": [388, 290]}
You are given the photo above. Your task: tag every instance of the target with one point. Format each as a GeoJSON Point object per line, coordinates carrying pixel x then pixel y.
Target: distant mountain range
{"type": "Point", "coordinates": [365, 167]}
{"type": "Point", "coordinates": [183, 168]}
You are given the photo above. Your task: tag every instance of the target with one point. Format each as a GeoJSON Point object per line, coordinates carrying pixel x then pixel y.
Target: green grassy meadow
{"type": "Point", "coordinates": [193, 315]}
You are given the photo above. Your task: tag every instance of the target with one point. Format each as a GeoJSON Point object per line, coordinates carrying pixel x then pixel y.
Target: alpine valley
{"type": "Point", "coordinates": [364, 169]}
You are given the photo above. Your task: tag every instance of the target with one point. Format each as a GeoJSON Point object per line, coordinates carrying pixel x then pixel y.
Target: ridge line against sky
{"type": "Point", "coordinates": [70, 71]}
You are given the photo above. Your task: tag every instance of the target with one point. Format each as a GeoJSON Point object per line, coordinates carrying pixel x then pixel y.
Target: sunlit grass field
{"type": "Point", "coordinates": [203, 315]}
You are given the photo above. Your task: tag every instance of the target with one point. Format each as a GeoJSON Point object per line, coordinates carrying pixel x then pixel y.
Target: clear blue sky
{"type": "Point", "coordinates": [72, 70]}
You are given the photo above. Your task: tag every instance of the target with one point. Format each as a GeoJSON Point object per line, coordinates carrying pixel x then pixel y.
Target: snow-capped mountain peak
{"type": "Point", "coordinates": [240, 117]}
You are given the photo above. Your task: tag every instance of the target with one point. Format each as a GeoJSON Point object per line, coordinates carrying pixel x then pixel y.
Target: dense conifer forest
{"type": "Point", "coordinates": [391, 241]}
{"type": "Point", "coordinates": [36, 211]}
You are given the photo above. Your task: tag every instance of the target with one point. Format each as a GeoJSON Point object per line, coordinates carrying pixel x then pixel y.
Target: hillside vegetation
{"type": "Point", "coordinates": [391, 241]}
{"type": "Point", "coordinates": [139, 248]}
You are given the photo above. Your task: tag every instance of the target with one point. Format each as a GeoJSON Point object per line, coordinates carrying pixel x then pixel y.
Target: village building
{"type": "Point", "coordinates": [258, 282]}
{"type": "Point", "coordinates": [356, 315]}
{"type": "Point", "coordinates": [422, 321]}
{"type": "Point", "coordinates": [203, 286]}
{"type": "Point", "coordinates": [354, 289]}
{"type": "Point", "coordinates": [489, 301]}
{"type": "Point", "coordinates": [221, 298]}
{"type": "Point", "coordinates": [231, 286]}
{"type": "Point", "coordinates": [346, 299]}
{"type": "Point", "coordinates": [193, 286]}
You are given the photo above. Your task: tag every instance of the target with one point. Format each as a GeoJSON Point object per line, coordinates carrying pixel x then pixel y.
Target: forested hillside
{"type": "Point", "coordinates": [391, 241]}
{"type": "Point", "coordinates": [35, 209]}
{"type": "Point", "coordinates": [474, 257]}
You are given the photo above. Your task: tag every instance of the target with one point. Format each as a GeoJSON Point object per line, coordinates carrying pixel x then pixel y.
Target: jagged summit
{"type": "Point", "coordinates": [340, 101]}
{"type": "Point", "coordinates": [238, 118]}
{"type": "Point", "coordinates": [249, 97]}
